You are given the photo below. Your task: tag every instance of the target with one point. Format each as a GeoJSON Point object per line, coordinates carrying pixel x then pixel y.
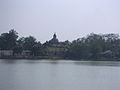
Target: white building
{"type": "Point", "coordinates": [6, 52]}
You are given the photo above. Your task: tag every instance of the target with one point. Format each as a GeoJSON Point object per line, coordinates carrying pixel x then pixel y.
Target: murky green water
{"type": "Point", "coordinates": [59, 75]}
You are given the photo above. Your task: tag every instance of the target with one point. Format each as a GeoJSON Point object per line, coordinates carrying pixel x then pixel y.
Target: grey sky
{"type": "Point", "coordinates": [70, 19]}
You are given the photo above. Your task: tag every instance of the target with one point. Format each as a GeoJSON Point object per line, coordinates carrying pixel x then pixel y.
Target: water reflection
{"type": "Point", "coordinates": [8, 61]}
{"type": "Point", "coordinates": [98, 63]}
{"type": "Point", "coordinates": [59, 75]}
{"type": "Point", "coordinates": [88, 63]}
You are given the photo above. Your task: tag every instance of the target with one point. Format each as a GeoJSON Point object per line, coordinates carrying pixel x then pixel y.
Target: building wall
{"type": "Point", "coordinates": [6, 52]}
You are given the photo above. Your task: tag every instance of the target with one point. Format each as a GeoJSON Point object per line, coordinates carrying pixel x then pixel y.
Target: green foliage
{"type": "Point", "coordinates": [8, 40]}
{"type": "Point", "coordinates": [78, 50]}
{"type": "Point", "coordinates": [29, 42]}
{"type": "Point", "coordinates": [37, 49]}
{"type": "Point", "coordinates": [93, 46]}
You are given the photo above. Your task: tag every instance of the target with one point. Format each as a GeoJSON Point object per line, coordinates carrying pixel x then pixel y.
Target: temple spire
{"type": "Point", "coordinates": [54, 40]}
{"type": "Point", "coordinates": [54, 36]}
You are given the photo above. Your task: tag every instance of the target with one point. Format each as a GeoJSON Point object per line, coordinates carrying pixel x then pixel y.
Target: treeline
{"type": "Point", "coordinates": [93, 46]}
{"type": "Point", "coordinates": [11, 41]}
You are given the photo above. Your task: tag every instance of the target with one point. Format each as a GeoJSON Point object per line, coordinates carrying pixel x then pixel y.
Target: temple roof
{"type": "Point", "coordinates": [54, 40]}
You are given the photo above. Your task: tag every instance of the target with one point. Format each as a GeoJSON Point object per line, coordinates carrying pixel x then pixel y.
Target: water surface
{"type": "Point", "coordinates": [59, 75]}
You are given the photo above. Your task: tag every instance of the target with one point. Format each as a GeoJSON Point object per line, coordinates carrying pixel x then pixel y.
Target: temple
{"type": "Point", "coordinates": [54, 40]}
{"type": "Point", "coordinates": [54, 48]}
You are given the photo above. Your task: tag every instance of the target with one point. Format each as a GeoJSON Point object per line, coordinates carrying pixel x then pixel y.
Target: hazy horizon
{"type": "Point", "coordinates": [69, 19]}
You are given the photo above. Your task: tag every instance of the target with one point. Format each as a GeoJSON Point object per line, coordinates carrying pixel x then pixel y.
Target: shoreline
{"type": "Point", "coordinates": [57, 58]}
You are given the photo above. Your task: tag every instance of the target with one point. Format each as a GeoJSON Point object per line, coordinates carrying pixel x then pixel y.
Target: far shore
{"type": "Point", "coordinates": [55, 58]}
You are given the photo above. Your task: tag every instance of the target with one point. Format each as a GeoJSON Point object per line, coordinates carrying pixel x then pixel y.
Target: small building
{"type": "Point", "coordinates": [26, 53]}
{"type": "Point", "coordinates": [6, 53]}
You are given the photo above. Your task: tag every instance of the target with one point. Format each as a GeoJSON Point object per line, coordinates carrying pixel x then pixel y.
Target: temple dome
{"type": "Point", "coordinates": [54, 40]}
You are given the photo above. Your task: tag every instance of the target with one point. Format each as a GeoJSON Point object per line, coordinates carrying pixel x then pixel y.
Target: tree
{"type": "Point", "coordinates": [8, 40]}
{"type": "Point", "coordinates": [37, 49]}
{"type": "Point", "coordinates": [78, 50]}
{"type": "Point", "coordinates": [29, 42]}
{"type": "Point", "coordinates": [19, 46]}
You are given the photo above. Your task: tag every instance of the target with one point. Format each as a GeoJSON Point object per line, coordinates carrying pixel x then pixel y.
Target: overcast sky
{"type": "Point", "coordinates": [70, 19]}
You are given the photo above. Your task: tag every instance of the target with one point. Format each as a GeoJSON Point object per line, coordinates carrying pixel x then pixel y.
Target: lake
{"type": "Point", "coordinates": [59, 75]}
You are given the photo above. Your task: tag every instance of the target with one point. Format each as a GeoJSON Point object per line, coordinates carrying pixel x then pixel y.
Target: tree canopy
{"type": "Point", "coordinates": [93, 46]}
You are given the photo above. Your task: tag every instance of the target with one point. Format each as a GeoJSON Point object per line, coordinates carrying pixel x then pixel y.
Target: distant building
{"type": "Point", "coordinates": [23, 53]}
{"type": "Point", "coordinates": [26, 53]}
{"type": "Point", "coordinates": [54, 48]}
{"type": "Point", "coordinates": [6, 53]}
{"type": "Point", "coordinates": [54, 40]}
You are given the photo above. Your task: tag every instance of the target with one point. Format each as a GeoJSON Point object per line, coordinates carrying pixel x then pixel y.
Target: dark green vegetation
{"type": "Point", "coordinates": [93, 47]}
